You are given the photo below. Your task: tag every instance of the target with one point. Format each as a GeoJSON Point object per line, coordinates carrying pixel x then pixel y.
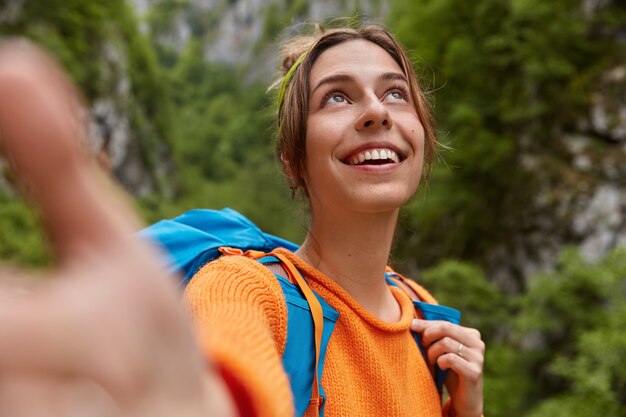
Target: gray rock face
{"type": "Point", "coordinates": [602, 222]}
{"type": "Point", "coordinates": [114, 138]}
{"type": "Point", "coordinates": [236, 32]}
{"type": "Point", "coordinates": [142, 6]}
{"type": "Point", "coordinates": [10, 10]}
{"type": "Point", "coordinates": [109, 126]}
{"type": "Point", "coordinates": [608, 111]}
{"type": "Point", "coordinates": [591, 6]}
{"type": "Point", "coordinates": [585, 206]}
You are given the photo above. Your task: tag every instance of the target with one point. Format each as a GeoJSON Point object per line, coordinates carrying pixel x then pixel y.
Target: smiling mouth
{"type": "Point", "coordinates": [379, 156]}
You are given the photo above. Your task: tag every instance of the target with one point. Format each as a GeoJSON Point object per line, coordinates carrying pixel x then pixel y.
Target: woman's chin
{"type": "Point", "coordinates": [361, 198]}
{"type": "Point", "coordinates": [378, 202]}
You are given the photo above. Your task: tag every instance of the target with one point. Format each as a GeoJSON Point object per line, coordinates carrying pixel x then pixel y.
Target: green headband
{"type": "Point", "coordinates": [287, 79]}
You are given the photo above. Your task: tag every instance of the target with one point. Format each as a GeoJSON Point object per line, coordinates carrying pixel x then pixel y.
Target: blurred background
{"type": "Point", "coordinates": [519, 225]}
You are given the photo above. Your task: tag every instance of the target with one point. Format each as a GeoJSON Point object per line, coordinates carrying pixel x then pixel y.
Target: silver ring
{"type": "Point", "coordinates": [458, 351]}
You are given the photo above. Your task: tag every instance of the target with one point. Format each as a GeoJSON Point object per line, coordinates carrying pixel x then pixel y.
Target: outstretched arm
{"type": "Point", "coordinates": [108, 315]}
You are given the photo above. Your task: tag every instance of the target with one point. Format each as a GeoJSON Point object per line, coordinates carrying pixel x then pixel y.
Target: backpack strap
{"type": "Point", "coordinates": [426, 308]}
{"type": "Point", "coordinates": [410, 287]}
{"type": "Point", "coordinates": [308, 314]}
{"type": "Point", "coordinates": [318, 323]}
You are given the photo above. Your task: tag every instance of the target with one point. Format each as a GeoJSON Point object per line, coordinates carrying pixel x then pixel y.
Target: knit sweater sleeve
{"type": "Point", "coordinates": [241, 316]}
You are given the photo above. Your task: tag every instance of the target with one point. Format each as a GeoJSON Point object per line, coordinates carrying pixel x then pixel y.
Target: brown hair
{"type": "Point", "coordinates": [292, 113]}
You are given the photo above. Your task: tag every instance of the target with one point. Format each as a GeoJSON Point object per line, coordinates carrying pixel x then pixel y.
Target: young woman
{"type": "Point", "coordinates": [105, 334]}
{"type": "Point", "coordinates": [354, 135]}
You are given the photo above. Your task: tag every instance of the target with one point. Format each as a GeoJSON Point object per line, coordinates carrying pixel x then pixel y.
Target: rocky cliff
{"type": "Point", "coordinates": [580, 199]}
{"type": "Point", "coordinates": [244, 33]}
{"type": "Point", "coordinates": [579, 181]}
{"type": "Point", "coordinates": [102, 49]}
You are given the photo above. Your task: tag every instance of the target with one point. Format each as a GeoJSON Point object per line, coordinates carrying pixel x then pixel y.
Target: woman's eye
{"type": "Point", "coordinates": [396, 95]}
{"type": "Point", "coordinates": [335, 99]}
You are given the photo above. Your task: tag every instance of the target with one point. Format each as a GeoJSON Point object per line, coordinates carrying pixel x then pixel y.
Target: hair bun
{"type": "Point", "coordinates": [296, 46]}
{"type": "Point", "coordinates": [292, 50]}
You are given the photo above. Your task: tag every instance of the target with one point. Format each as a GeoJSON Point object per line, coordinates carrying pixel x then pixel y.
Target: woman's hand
{"type": "Point", "coordinates": [461, 350]}
{"type": "Point", "coordinates": [107, 323]}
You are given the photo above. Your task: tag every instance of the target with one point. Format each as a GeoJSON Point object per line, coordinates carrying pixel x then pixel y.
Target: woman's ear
{"type": "Point", "coordinates": [291, 179]}
{"type": "Point", "coordinates": [286, 166]}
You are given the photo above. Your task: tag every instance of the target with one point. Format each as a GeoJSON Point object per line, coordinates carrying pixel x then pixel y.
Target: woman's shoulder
{"type": "Point", "coordinates": [234, 268]}
{"type": "Point", "coordinates": [235, 287]}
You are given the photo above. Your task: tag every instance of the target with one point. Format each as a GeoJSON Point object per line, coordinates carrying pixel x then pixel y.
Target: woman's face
{"type": "Point", "coordinates": [365, 143]}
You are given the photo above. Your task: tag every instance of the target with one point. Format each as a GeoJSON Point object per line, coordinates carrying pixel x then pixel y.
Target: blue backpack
{"type": "Point", "coordinates": [199, 236]}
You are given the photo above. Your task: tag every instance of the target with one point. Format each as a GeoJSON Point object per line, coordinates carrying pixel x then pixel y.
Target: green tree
{"type": "Point", "coordinates": [223, 146]}
{"type": "Point", "coordinates": [576, 316]}
{"type": "Point", "coordinates": [555, 350]}
{"type": "Point", "coordinates": [509, 77]}
{"type": "Point", "coordinates": [485, 307]}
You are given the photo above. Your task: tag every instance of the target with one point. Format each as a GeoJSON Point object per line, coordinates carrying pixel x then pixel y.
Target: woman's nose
{"type": "Point", "coordinates": [375, 115]}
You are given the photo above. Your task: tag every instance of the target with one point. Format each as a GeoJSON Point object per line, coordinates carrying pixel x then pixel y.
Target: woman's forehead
{"type": "Point", "coordinates": [354, 57]}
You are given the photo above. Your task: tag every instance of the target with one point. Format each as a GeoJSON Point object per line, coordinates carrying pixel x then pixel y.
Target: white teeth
{"type": "Point", "coordinates": [373, 155]}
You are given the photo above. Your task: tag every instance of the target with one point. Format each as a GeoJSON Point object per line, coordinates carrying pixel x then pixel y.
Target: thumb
{"type": "Point", "coordinates": [418, 325]}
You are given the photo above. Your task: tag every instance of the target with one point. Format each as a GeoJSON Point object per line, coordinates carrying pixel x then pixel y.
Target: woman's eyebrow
{"type": "Point", "coordinates": [336, 78]}
{"type": "Point", "coordinates": [332, 79]}
{"type": "Point", "coordinates": [391, 76]}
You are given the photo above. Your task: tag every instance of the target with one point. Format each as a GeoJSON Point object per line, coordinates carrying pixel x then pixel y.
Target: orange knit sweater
{"type": "Point", "coordinates": [372, 367]}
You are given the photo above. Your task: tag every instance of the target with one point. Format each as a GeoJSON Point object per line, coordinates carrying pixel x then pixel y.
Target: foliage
{"type": "Point", "coordinates": [223, 148]}
{"type": "Point", "coordinates": [466, 287]}
{"type": "Point", "coordinates": [507, 75]}
{"type": "Point", "coordinates": [21, 239]}
{"type": "Point", "coordinates": [485, 307]}
{"type": "Point", "coordinates": [69, 30]}
{"type": "Point", "coordinates": [556, 350]}
{"type": "Point", "coordinates": [579, 311]}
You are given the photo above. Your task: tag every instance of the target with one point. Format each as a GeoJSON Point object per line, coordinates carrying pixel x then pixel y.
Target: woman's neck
{"type": "Point", "coordinates": [353, 249]}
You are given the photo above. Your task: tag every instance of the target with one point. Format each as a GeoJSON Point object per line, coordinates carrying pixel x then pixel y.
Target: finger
{"type": "Point", "coordinates": [41, 133]}
{"type": "Point", "coordinates": [433, 330]}
{"type": "Point", "coordinates": [448, 345]}
{"type": "Point", "coordinates": [466, 370]}
{"type": "Point", "coordinates": [34, 89]}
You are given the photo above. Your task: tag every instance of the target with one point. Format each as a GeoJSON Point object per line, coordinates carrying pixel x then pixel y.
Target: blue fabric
{"type": "Point", "coordinates": [433, 312]}
{"type": "Point", "coordinates": [436, 312]}
{"type": "Point", "coordinates": [193, 238]}
{"type": "Point", "coordinates": [299, 355]}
